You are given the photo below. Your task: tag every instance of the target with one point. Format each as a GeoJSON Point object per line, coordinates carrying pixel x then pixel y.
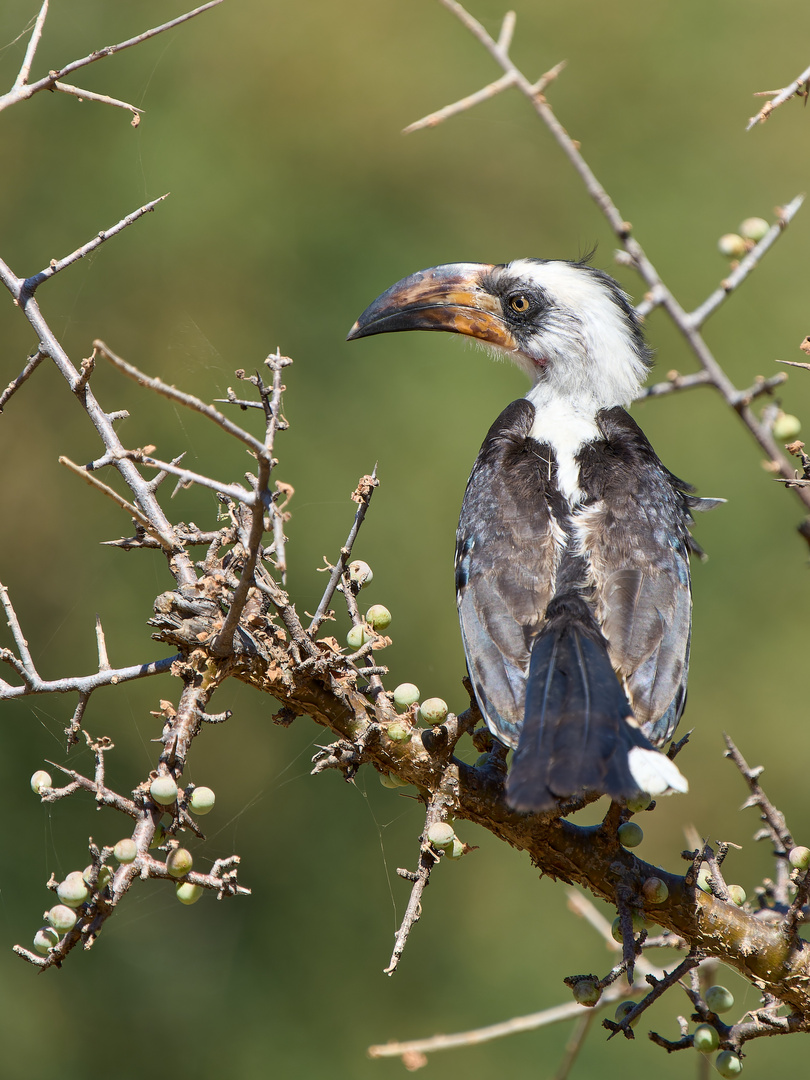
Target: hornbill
{"type": "Point", "coordinates": [572, 553]}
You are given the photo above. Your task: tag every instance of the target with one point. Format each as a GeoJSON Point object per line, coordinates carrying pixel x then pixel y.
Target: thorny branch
{"type": "Point", "coordinates": [799, 87]}
{"type": "Point", "coordinates": [23, 89]}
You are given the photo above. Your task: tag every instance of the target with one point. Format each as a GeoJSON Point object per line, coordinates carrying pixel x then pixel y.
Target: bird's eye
{"type": "Point", "coordinates": [519, 303]}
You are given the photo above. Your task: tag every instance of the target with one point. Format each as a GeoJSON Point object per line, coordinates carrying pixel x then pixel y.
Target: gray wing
{"type": "Point", "coordinates": [507, 552]}
{"type": "Point", "coordinates": [635, 535]}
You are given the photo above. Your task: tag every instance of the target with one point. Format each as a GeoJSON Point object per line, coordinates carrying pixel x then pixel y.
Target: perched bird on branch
{"type": "Point", "coordinates": [572, 554]}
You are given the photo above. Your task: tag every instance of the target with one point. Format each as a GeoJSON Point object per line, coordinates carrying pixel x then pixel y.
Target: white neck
{"type": "Point", "coordinates": [565, 426]}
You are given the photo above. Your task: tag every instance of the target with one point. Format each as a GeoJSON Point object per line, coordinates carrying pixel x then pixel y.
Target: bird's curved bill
{"type": "Point", "coordinates": [451, 297]}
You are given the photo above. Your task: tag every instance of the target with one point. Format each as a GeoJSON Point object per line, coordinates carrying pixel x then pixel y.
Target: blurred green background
{"type": "Point", "coordinates": [294, 201]}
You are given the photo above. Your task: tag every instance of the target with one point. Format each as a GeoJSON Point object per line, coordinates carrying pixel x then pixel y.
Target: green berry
{"type": "Point", "coordinates": [586, 992]}
{"type": "Point", "coordinates": [623, 1009]}
{"type": "Point", "coordinates": [405, 695]}
{"type": "Point", "coordinates": [630, 835]}
{"type": "Point", "coordinates": [433, 711]}
{"type": "Point", "coordinates": [62, 918]}
{"type": "Point", "coordinates": [441, 834]}
{"type": "Point", "coordinates": [40, 781]}
{"type": "Point", "coordinates": [638, 802]}
{"type": "Point", "coordinates": [719, 999]}
{"type": "Point", "coordinates": [736, 894]}
{"type": "Point", "coordinates": [179, 862]}
{"type": "Point", "coordinates": [704, 879]}
{"type": "Point", "coordinates": [655, 891]}
{"type": "Point", "coordinates": [799, 858]}
{"type": "Point", "coordinates": [705, 1039]}
{"type": "Point", "coordinates": [399, 731]}
{"type": "Point", "coordinates": [73, 891]}
{"type": "Point", "coordinates": [754, 228]}
{"type": "Point", "coordinates": [360, 573]}
{"type": "Point", "coordinates": [163, 791]}
{"type": "Point", "coordinates": [728, 1064]}
{"type": "Point", "coordinates": [732, 246]}
{"type": "Point", "coordinates": [45, 939]}
{"type": "Point", "coordinates": [356, 637]}
{"type": "Point", "coordinates": [639, 924]}
{"type": "Point", "coordinates": [456, 849]}
{"type": "Point", "coordinates": [202, 800]}
{"type": "Point", "coordinates": [379, 617]}
{"type": "Point", "coordinates": [126, 851]}
{"type": "Point", "coordinates": [786, 427]}
{"type": "Point", "coordinates": [188, 893]}
{"type": "Point", "coordinates": [103, 880]}
{"type": "Point", "coordinates": [391, 780]}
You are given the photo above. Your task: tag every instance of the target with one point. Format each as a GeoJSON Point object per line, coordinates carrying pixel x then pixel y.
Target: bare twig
{"type": "Point", "coordinates": [166, 542]}
{"type": "Point", "coordinates": [82, 684]}
{"type": "Point", "coordinates": [774, 819]}
{"type": "Point", "coordinates": [659, 987]}
{"type": "Point", "coordinates": [189, 400]}
{"type": "Point", "coordinates": [26, 373]}
{"type": "Point", "coordinates": [32, 283]}
{"type": "Point", "coordinates": [785, 215]}
{"type": "Point", "coordinates": [19, 638]}
{"type": "Point", "coordinates": [103, 99]}
{"type": "Point", "coordinates": [468, 102]}
{"type": "Point", "coordinates": [532, 1022]}
{"type": "Point", "coordinates": [362, 495]}
{"type": "Point", "coordinates": [780, 97]}
{"type": "Point", "coordinates": [574, 1045]}
{"type": "Point", "coordinates": [186, 476]}
{"type": "Point", "coordinates": [439, 804]}
{"type": "Point", "coordinates": [22, 89]}
{"type": "Point", "coordinates": [675, 381]}
{"type": "Point", "coordinates": [33, 45]}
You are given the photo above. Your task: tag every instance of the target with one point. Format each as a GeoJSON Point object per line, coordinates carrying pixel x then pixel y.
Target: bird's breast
{"type": "Point", "coordinates": [565, 431]}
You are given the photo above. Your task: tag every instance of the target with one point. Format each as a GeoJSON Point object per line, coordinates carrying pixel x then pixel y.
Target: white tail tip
{"type": "Point", "coordinates": [655, 773]}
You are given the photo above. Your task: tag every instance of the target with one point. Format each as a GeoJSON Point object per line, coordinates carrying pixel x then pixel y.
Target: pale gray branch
{"type": "Point", "coordinates": [737, 276]}
{"type": "Point", "coordinates": [32, 283]}
{"type": "Point", "coordinates": [780, 97]}
{"type": "Point", "coordinates": [189, 400]}
{"type": "Point", "coordinates": [22, 89]}
{"type": "Point", "coordinates": [26, 373]}
{"type": "Point", "coordinates": [103, 99]}
{"type": "Point", "coordinates": [33, 44]}
{"type": "Point", "coordinates": [85, 683]}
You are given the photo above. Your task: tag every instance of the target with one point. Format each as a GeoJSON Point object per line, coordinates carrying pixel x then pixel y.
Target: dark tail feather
{"type": "Point", "coordinates": [578, 728]}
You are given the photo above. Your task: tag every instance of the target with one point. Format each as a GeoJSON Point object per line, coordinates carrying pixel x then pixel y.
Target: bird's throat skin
{"type": "Point", "coordinates": [572, 567]}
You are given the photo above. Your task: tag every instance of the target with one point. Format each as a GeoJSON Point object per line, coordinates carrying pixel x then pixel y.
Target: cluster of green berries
{"type": "Point", "coordinates": [378, 618]}
{"type": "Point", "coordinates": [630, 834]}
{"type": "Point", "coordinates": [442, 836]}
{"type": "Point", "coordinates": [735, 245]}
{"type": "Point", "coordinates": [432, 711]}
{"type": "Point", "coordinates": [706, 1038]}
{"type": "Point", "coordinates": [72, 893]}
{"type": "Point", "coordinates": [75, 890]}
